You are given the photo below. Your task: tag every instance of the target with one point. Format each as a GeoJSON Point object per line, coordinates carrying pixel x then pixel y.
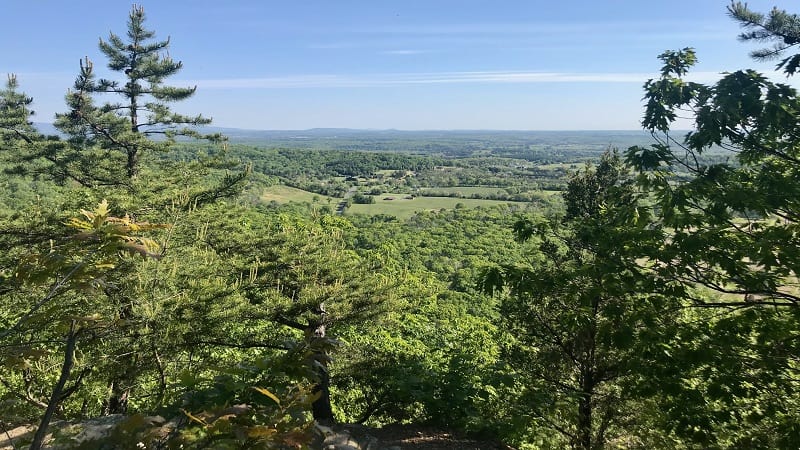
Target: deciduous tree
{"type": "Point", "coordinates": [582, 313]}
{"type": "Point", "coordinates": [732, 240]}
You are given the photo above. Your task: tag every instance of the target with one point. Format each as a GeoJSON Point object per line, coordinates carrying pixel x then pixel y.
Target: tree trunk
{"type": "Point", "coordinates": [55, 397]}
{"type": "Point", "coordinates": [119, 390]}
{"type": "Point", "coordinates": [321, 408]}
{"type": "Point", "coordinates": [585, 413]}
{"type": "Point", "coordinates": [117, 401]}
{"type": "Point", "coordinates": [121, 379]}
{"type": "Point", "coordinates": [132, 164]}
{"type": "Point", "coordinates": [588, 383]}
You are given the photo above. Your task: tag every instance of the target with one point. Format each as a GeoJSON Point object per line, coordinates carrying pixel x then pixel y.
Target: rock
{"type": "Point", "coordinates": [16, 437]}
{"type": "Point", "coordinates": [349, 437]}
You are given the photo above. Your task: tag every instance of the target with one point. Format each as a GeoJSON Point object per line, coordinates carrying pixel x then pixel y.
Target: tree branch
{"type": "Point", "coordinates": [242, 345]}
{"type": "Point", "coordinates": [28, 398]}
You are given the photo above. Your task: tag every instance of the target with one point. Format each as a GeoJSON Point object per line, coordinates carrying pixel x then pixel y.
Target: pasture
{"type": "Point", "coordinates": [285, 194]}
{"type": "Point", "coordinates": [403, 208]}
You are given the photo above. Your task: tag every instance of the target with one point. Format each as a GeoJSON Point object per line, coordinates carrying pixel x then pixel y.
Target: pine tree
{"type": "Point", "coordinates": [108, 144]}
{"type": "Point", "coordinates": [25, 151]}
{"type": "Point", "coordinates": [779, 27]}
{"type": "Point", "coordinates": [583, 327]}
{"type": "Point", "coordinates": [123, 131]}
{"type": "Point", "coordinates": [15, 113]}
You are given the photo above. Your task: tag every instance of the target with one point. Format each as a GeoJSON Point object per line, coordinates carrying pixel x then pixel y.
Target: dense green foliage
{"type": "Point", "coordinates": [648, 300]}
{"type": "Point", "coordinates": [730, 241]}
{"type": "Point", "coordinates": [583, 315]}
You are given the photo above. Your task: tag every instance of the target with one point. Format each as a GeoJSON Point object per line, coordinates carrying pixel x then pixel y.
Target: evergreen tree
{"type": "Point", "coordinates": [306, 280]}
{"type": "Point", "coordinates": [18, 137]}
{"type": "Point", "coordinates": [779, 27]}
{"type": "Point", "coordinates": [15, 114]}
{"type": "Point", "coordinates": [581, 318]}
{"type": "Point", "coordinates": [120, 134]}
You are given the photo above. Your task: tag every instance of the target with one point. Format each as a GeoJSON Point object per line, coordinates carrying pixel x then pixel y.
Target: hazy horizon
{"type": "Point", "coordinates": [405, 130]}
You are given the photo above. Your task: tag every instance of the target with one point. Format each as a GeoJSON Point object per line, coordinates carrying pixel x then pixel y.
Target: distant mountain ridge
{"type": "Point", "coordinates": [250, 135]}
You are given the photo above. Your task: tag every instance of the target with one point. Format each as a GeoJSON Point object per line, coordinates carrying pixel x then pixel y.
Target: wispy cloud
{"type": "Point", "coordinates": [406, 79]}
{"type": "Point", "coordinates": [505, 35]}
{"type": "Point", "coordinates": [403, 52]}
{"type": "Point", "coordinates": [332, 46]}
{"type": "Point", "coordinates": [530, 27]}
{"type": "Point", "coordinates": [553, 30]}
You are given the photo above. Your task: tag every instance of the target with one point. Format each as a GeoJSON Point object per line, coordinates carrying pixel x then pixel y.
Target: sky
{"type": "Point", "coordinates": [390, 64]}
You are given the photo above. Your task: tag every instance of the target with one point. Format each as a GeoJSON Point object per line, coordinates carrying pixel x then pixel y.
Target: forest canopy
{"type": "Point", "coordinates": [153, 280]}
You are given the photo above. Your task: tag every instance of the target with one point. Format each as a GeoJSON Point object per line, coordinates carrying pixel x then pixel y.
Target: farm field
{"type": "Point", "coordinates": [468, 191]}
{"type": "Point", "coordinates": [486, 192]}
{"type": "Point", "coordinates": [463, 190]}
{"type": "Point", "coordinates": [572, 165]}
{"type": "Point", "coordinates": [404, 208]}
{"type": "Point", "coordinates": [285, 194]}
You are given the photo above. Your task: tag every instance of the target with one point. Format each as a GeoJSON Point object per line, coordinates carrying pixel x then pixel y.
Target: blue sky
{"type": "Point", "coordinates": [411, 64]}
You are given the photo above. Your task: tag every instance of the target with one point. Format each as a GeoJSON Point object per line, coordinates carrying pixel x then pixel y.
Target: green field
{"type": "Point", "coordinates": [564, 166]}
{"type": "Point", "coordinates": [465, 190]}
{"type": "Point", "coordinates": [480, 190]}
{"type": "Point", "coordinates": [404, 208]}
{"type": "Point", "coordinates": [548, 193]}
{"type": "Point", "coordinates": [286, 194]}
